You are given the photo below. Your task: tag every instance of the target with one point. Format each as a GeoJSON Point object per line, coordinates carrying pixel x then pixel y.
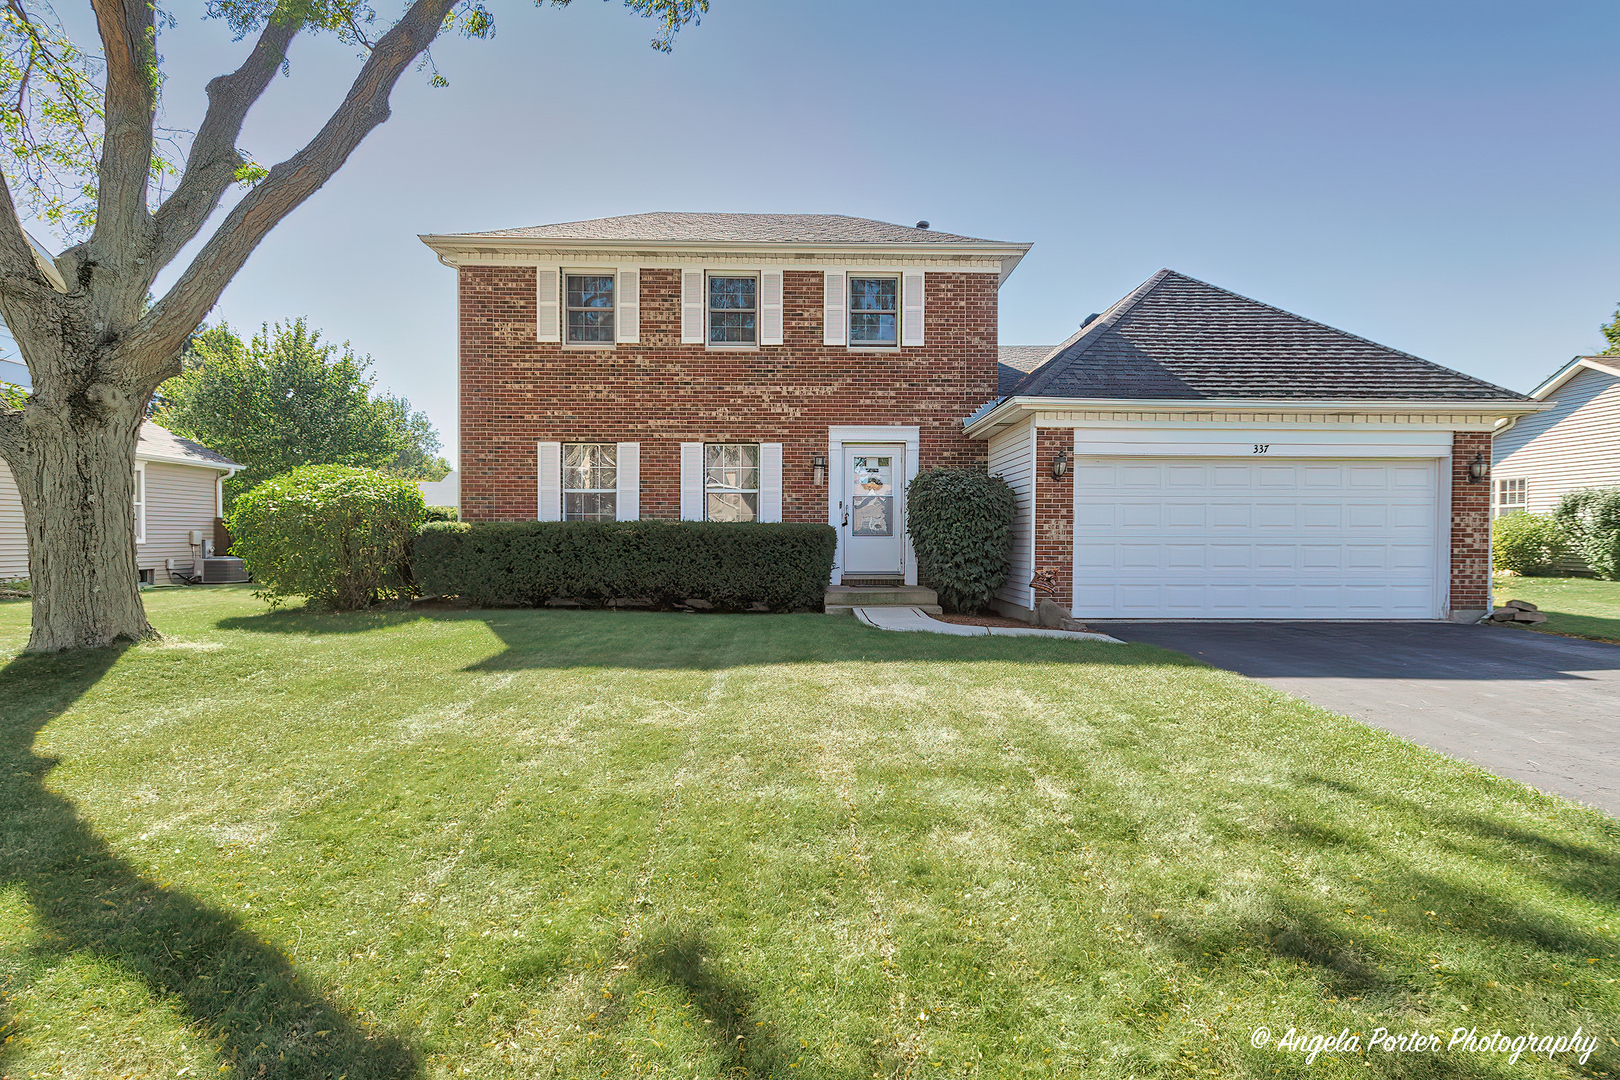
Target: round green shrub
{"type": "Point", "coordinates": [338, 536]}
{"type": "Point", "coordinates": [1590, 520]}
{"type": "Point", "coordinates": [1527, 543]}
{"type": "Point", "coordinates": [960, 521]}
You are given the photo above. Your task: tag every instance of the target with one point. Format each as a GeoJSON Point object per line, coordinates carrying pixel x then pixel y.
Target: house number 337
{"type": "Point", "coordinates": [1261, 447]}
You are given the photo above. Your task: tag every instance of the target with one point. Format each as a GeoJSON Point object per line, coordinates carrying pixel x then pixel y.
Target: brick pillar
{"type": "Point", "coordinates": [1470, 524]}
{"type": "Point", "coordinates": [1054, 511]}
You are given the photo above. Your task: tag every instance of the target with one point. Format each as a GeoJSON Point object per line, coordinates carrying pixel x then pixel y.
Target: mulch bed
{"type": "Point", "coordinates": [981, 620]}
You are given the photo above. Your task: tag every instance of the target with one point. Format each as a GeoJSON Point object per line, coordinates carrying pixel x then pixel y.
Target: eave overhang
{"type": "Point", "coordinates": [995, 415]}
{"type": "Point", "coordinates": [458, 249]}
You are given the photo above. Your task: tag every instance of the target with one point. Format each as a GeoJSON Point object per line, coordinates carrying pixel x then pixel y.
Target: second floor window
{"type": "Point", "coordinates": [590, 308]}
{"type": "Point", "coordinates": [731, 481]}
{"type": "Point", "coordinates": [590, 481]}
{"type": "Point", "coordinates": [733, 310]}
{"type": "Point", "coordinates": [874, 310]}
{"type": "Point", "coordinates": [1510, 495]}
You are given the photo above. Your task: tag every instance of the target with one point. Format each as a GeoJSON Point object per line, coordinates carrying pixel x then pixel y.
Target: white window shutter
{"type": "Point", "coordinates": [629, 302]}
{"type": "Point", "coordinates": [770, 307]}
{"type": "Point", "coordinates": [911, 328]}
{"type": "Point", "coordinates": [691, 481]}
{"type": "Point", "coordinates": [770, 481]}
{"type": "Point", "coordinates": [549, 507]}
{"type": "Point", "coordinates": [628, 501]}
{"type": "Point", "coordinates": [692, 307]}
{"type": "Point", "coordinates": [547, 322]}
{"type": "Point", "coordinates": [834, 308]}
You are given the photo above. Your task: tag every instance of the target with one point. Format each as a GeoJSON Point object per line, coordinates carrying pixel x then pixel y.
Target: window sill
{"type": "Point", "coordinates": [736, 347]}
{"type": "Point", "coordinates": [873, 348]}
{"type": "Point", "coordinates": [583, 346]}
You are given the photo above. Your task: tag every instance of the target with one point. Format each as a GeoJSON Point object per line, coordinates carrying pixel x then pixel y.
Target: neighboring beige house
{"type": "Point", "coordinates": [178, 500]}
{"type": "Point", "coordinates": [1538, 458]}
{"type": "Point", "coordinates": [446, 492]}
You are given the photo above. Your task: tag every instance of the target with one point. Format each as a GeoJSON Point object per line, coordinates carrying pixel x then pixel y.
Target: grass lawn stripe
{"type": "Point", "coordinates": [529, 843]}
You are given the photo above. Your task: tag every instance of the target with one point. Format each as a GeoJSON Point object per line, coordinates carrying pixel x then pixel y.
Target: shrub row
{"type": "Point", "coordinates": [729, 565]}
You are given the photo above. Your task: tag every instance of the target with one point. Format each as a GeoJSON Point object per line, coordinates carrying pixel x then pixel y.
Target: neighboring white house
{"type": "Point", "coordinates": [178, 493]}
{"type": "Point", "coordinates": [446, 492]}
{"type": "Point", "coordinates": [1538, 458]}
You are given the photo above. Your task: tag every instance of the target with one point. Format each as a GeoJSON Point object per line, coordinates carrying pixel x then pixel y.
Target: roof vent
{"type": "Point", "coordinates": [922, 224]}
{"type": "Point", "coordinates": [1093, 317]}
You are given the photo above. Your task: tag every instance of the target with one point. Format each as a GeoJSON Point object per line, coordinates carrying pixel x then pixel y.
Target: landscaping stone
{"type": "Point", "coordinates": [700, 605]}
{"type": "Point", "coordinates": [1522, 605]}
{"type": "Point", "coordinates": [1521, 615]}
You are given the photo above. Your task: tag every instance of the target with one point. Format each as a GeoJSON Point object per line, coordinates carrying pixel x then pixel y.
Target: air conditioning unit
{"type": "Point", "coordinates": [222, 570]}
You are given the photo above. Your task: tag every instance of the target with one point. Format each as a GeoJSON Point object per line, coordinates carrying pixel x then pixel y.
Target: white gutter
{"type": "Point", "coordinates": [975, 423]}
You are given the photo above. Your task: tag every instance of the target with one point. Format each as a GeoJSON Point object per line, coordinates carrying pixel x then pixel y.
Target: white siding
{"type": "Point", "coordinates": [179, 498]}
{"type": "Point", "coordinates": [13, 539]}
{"type": "Point", "coordinates": [1012, 453]}
{"type": "Point", "coordinates": [1572, 446]}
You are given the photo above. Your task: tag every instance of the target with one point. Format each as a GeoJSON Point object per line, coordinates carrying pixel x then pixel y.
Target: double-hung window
{"type": "Point", "coordinates": [733, 309]}
{"type": "Point", "coordinates": [140, 504]}
{"type": "Point", "coordinates": [589, 303]}
{"type": "Point", "coordinates": [731, 481]}
{"type": "Point", "coordinates": [590, 481]}
{"type": "Point", "coordinates": [874, 311]}
{"type": "Point", "coordinates": [1510, 496]}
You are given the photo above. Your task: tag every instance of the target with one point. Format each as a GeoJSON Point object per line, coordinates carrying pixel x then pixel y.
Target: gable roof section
{"type": "Point", "coordinates": [1608, 365]}
{"type": "Point", "coordinates": [669, 227]}
{"type": "Point", "coordinates": [1013, 362]}
{"type": "Point", "coordinates": [161, 444]}
{"type": "Point", "coordinates": [1178, 338]}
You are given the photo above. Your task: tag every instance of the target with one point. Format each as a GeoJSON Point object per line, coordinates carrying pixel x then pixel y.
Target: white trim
{"type": "Point", "coordinates": [140, 503]}
{"type": "Point", "coordinates": [627, 499]}
{"type": "Point", "coordinates": [1606, 365]}
{"type": "Point", "coordinates": [548, 482]}
{"type": "Point", "coordinates": [770, 481]}
{"type": "Point", "coordinates": [1248, 443]}
{"type": "Point", "coordinates": [692, 481]}
{"type": "Point", "coordinates": [694, 305]}
{"type": "Point", "coordinates": [834, 312]}
{"type": "Point", "coordinates": [1442, 541]}
{"type": "Point", "coordinates": [840, 434]}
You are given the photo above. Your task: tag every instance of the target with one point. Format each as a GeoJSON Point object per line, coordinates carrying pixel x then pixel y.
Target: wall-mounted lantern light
{"type": "Point", "coordinates": [819, 464]}
{"type": "Point", "coordinates": [1478, 469]}
{"type": "Point", "coordinates": [1060, 465]}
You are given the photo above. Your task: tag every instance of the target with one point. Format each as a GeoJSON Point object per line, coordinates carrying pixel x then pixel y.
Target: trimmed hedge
{"type": "Point", "coordinates": [728, 564]}
{"type": "Point", "coordinates": [336, 535]}
{"type": "Point", "coordinates": [1590, 519]}
{"type": "Point", "coordinates": [1530, 544]}
{"type": "Point", "coordinates": [960, 521]}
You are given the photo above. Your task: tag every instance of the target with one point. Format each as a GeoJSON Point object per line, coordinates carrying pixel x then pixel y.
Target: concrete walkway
{"type": "Point", "coordinates": [1536, 707]}
{"type": "Point", "coordinates": [910, 619]}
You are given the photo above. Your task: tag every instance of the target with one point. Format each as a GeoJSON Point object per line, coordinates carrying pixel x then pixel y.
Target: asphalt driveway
{"type": "Point", "coordinates": [1534, 707]}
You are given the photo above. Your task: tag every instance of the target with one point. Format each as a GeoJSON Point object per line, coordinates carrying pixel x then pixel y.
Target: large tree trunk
{"type": "Point", "coordinates": [76, 476]}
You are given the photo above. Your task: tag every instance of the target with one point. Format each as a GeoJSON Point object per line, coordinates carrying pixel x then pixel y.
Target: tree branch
{"type": "Point", "coordinates": [129, 41]}
{"type": "Point", "coordinates": [212, 164]}
{"type": "Point", "coordinates": [161, 334]}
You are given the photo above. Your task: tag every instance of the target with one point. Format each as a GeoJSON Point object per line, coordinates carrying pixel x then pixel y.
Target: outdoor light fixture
{"type": "Point", "coordinates": [819, 463]}
{"type": "Point", "coordinates": [1060, 465]}
{"type": "Point", "coordinates": [1477, 469]}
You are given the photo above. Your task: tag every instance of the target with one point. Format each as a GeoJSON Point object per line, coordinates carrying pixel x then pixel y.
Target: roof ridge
{"type": "Point", "coordinates": [1036, 381]}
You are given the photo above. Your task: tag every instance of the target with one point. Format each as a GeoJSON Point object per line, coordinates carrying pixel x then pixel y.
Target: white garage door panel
{"type": "Point", "coordinates": [1283, 539]}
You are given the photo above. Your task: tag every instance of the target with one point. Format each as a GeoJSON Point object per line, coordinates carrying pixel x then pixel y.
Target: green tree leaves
{"type": "Point", "coordinates": [286, 399]}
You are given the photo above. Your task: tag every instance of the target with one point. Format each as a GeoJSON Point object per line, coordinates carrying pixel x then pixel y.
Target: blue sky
{"type": "Point", "coordinates": [1441, 178]}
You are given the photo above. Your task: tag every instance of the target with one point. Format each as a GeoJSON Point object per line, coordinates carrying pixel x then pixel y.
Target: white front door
{"type": "Point", "coordinates": [1235, 538]}
{"type": "Point", "coordinates": [874, 531]}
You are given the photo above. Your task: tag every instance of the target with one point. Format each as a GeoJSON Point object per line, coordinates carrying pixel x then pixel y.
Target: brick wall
{"type": "Point", "coordinates": [1470, 524]}
{"type": "Point", "coordinates": [1054, 511]}
{"type": "Point", "coordinates": [516, 391]}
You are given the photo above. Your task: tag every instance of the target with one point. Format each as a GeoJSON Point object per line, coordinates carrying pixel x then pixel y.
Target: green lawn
{"type": "Point", "coordinates": [1582, 607]}
{"type": "Point", "coordinates": [540, 843]}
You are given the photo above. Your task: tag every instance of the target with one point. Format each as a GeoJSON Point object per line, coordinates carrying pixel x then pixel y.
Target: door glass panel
{"type": "Point", "coordinates": [872, 503]}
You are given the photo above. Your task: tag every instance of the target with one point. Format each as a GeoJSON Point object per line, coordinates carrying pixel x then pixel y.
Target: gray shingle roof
{"type": "Point", "coordinates": [160, 442]}
{"type": "Point", "coordinates": [735, 228]}
{"type": "Point", "coordinates": [1013, 362]}
{"type": "Point", "coordinates": [1178, 338]}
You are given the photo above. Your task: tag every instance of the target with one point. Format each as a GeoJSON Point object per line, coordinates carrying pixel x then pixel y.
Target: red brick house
{"type": "Point", "coordinates": [1190, 453]}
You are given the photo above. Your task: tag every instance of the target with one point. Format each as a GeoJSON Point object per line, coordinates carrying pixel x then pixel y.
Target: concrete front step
{"type": "Point", "coordinates": [844, 599]}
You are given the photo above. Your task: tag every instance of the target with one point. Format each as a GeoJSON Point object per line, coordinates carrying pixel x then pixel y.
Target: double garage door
{"type": "Point", "coordinates": [1230, 538]}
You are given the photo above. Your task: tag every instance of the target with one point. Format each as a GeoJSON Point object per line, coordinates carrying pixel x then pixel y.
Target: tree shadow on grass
{"type": "Point", "coordinates": [238, 989]}
{"type": "Point", "coordinates": [684, 959]}
{"type": "Point", "coordinates": [667, 640]}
